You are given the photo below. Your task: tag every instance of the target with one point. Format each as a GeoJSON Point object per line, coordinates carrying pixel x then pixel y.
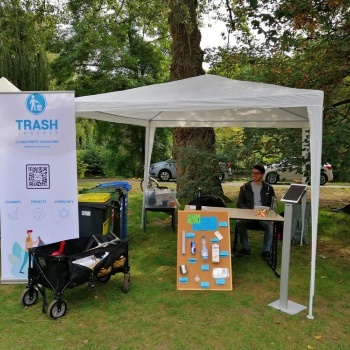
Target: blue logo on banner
{"type": "Point", "coordinates": [36, 103]}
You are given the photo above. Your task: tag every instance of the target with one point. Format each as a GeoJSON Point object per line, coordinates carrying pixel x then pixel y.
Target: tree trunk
{"type": "Point", "coordinates": [187, 59]}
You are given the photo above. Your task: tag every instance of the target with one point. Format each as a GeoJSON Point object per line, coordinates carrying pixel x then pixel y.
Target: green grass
{"type": "Point", "coordinates": [154, 315]}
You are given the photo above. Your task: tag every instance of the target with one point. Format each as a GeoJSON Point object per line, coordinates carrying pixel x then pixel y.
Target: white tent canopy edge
{"type": "Point", "coordinates": [213, 101]}
{"type": "Point", "coordinates": [6, 86]}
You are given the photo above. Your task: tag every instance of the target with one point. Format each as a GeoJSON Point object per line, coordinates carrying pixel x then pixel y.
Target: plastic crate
{"type": "Point", "coordinates": [164, 198]}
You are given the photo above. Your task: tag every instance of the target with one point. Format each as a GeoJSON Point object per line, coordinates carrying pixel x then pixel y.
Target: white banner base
{"type": "Point", "coordinates": [14, 281]}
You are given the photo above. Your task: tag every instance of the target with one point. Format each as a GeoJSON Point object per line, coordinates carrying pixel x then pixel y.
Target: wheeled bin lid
{"type": "Point", "coordinates": [94, 198]}
{"type": "Point", "coordinates": [116, 184]}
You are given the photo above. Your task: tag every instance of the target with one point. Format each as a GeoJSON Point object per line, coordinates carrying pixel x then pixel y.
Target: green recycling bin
{"type": "Point", "coordinates": [94, 214]}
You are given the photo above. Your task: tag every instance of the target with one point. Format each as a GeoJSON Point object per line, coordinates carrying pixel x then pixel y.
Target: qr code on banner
{"type": "Point", "coordinates": [38, 176]}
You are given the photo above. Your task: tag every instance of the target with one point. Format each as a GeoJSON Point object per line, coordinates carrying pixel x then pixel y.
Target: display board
{"type": "Point", "coordinates": [209, 268]}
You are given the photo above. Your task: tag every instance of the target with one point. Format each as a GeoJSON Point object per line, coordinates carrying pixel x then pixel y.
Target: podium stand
{"type": "Point", "coordinates": [293, 195]}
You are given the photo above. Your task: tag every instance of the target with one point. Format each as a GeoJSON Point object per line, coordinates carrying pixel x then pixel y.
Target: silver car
{"type": "Point", "coordinates": [166, 170]}
{"type": "Point", "coordinates": [285, 171]}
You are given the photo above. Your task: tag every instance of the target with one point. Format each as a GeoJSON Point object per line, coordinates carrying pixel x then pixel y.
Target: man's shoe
{"type": "Point", "coordinates": [266, 255]}
{"type": "Point", "coordinates": [242, 253]}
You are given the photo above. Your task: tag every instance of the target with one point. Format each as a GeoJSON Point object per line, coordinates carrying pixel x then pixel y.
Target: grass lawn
{"type": "Point", "coordinates": [154, 315]}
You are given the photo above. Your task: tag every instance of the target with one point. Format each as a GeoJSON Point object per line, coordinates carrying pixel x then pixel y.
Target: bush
{"type": "Point", "coordinates": [81, 165]}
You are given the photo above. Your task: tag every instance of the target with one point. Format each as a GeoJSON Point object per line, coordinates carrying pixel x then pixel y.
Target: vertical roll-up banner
{"type": "Point", "coordinates": [38, 176]}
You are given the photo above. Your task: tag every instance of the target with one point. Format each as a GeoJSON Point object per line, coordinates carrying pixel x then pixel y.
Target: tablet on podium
{"type": "Point", "coordinates": [294, 193]}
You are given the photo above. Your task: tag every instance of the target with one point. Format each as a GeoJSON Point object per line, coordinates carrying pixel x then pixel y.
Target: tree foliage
{"type": "Point", "coordinates": [244, 147]}
{"type": "Point", "coordinates": [124, 151]}
{"type": "Point", "coordinates": [106, 46]}
{"type": "Point", "coordinates": [109, 45]}
{"type": "Point", "coordinates": [23, 30]}
{"type": "Point", "coordinates": [112, 45]}
{"type": "Point", "coordinates": [306, 45]}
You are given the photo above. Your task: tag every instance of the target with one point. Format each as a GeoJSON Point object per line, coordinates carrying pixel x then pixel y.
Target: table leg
{"type": "Point", "coordinates": [235, 239]}
{"type": "Point", "coordinates": [173, 218]}
{"type": "Point", "coordinates": [273, 262]}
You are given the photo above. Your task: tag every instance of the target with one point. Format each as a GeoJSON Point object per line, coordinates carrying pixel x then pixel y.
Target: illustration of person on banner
{"type": "Point", "coordinates": [29, 243]}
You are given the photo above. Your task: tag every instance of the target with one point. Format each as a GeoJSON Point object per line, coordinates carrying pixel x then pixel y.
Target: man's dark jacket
{"type": "Point", "coordinates": [246, 196]}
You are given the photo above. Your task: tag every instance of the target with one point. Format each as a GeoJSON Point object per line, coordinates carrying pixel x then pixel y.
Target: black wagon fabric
{"type": "Point", "coordinates": [62, 271]}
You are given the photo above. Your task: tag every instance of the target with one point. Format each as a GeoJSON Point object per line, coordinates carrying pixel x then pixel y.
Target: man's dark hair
{"type": "Point", "coordinates": [259, 167]}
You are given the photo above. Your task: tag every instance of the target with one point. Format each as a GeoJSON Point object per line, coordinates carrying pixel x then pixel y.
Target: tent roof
{"type": "Point", "coordinates": [6, 86]}
{"type": "Point", "coordinates": [205, 100]}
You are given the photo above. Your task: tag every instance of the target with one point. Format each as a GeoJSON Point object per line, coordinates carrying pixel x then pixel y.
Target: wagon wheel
{"type": "Point", "coordinates": [29, 297]}
{"type": "Point", "coordinates": [126, 282]}
{"type": "Point", "coordinates": [104, 279]}
{"type": "Point", "coordinates": [56, 311]}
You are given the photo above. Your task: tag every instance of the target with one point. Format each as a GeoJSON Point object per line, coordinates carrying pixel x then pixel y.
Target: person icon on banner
{"type": "Point", "coordinates": [33, 104]}
{"type": "Point", "coordinates": [29, 243]}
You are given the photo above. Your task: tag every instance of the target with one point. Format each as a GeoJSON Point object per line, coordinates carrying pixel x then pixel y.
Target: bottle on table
{"type": "Point", "coordinates": [204, 249]}
{"type": "Point", "coordinates": [273, 207]}
{"type": "Point", "coordinates": [199, 199]}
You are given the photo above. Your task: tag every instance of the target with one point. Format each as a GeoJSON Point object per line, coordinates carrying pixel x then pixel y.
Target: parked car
{"type": "Point", "coordinates": [166, 170]}
{"type": "Point", "coordinates": [285, 171]}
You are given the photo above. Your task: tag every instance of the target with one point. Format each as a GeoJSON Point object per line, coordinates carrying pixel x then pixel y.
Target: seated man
{"type": "Point", "coordinates": [255, 193]}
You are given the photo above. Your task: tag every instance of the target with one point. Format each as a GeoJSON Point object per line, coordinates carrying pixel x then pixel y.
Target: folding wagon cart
{"type": "Point", "coordinates": [70, 263]}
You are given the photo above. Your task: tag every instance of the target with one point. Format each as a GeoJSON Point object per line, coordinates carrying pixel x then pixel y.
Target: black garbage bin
{"type": "Point", "coordinates": [118, 190]}
{"type": "Point", "coordinates": [94, 214]}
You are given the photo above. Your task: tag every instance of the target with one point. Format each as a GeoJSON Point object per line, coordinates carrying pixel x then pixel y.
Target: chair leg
{"type": "Point", "coordinates": [144, 220]}
{"type": "Point", "coordinates": [173, 218]}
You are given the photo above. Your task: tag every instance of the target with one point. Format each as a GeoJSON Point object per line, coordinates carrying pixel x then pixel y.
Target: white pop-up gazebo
{"type": "Point", "coordinates": [6, 86]}
{"type": "Point", "coordinates": [213, 101]}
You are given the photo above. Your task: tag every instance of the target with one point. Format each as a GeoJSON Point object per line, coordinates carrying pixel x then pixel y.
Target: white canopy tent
{"type": "Point", "coordinates": [213, 101]}
{"type": "Point", "coordinates": [6, 86]}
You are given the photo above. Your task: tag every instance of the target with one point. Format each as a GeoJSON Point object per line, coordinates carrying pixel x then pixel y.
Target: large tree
{"type": "Point", "coordinates": [191, 143]}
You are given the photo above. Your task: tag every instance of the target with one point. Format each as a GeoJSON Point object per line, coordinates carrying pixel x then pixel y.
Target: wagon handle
{"type": "Point", "coordinates": [103, 244]}
{"type": "Point", "coordinates": [116, 239]}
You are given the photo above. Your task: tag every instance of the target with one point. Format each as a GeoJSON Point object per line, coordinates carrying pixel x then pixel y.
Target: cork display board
{"type": "Point", "coordinates": [196, 269]}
